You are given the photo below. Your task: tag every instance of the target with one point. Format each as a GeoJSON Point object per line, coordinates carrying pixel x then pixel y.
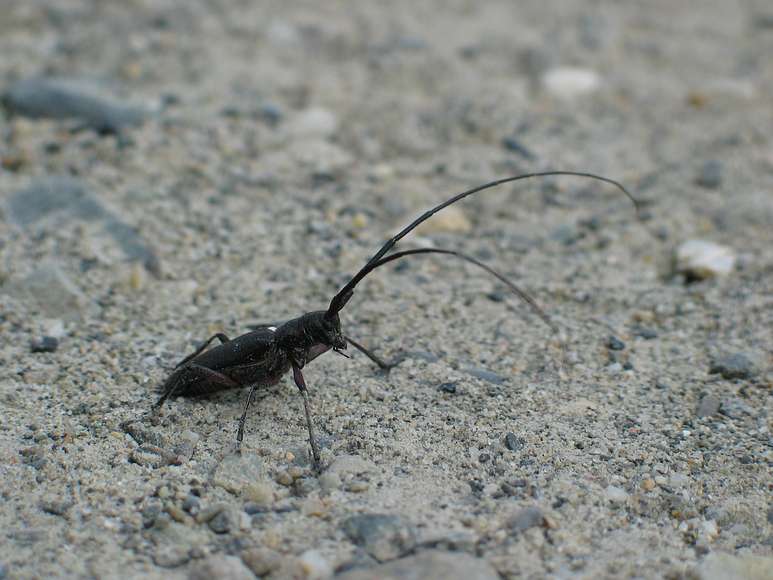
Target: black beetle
{"type": "Point", "coordinates": [262, 357]}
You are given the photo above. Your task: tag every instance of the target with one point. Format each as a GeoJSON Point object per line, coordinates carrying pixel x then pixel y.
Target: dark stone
{"type": "Point", "coordinates": [514, 145]}
{"type": "Point", "coordinates": [514, 443]}
{"type": "Point", "coordinates": [737, 365]}
{"type": "Point", "coordinates": [449, 388]}
{"type": "Point", "coordinates": [58, 98]}
{"type": "Point", "coordinates": [385, 537]}
{"type": "Point", "coordinates": [710, 175]}
{"type": "Point", "coordinates": [614, 343]}
{"type": "Point", "coordinates": [645, 333]}
{"type": "Point", "coordinates": [44, 344]}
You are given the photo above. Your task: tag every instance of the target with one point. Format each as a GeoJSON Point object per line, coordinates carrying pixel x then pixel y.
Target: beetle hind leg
{"type": "Point", "coordinates": [192, 380]}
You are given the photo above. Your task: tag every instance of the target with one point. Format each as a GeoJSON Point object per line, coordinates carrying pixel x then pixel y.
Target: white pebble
{"type": "Point", "coordinates": [571, 82]}
{"type": "Point", "coordinates": [702, 259]}
{"type": "Point", "coordinates": [616, 494]}
{"type": "Point", "coordinates": [314, 566]}
{"type": "Point", "coordinates": [314, 122]}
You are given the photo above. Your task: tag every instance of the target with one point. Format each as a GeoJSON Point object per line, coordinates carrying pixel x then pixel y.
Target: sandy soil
{"type": "Point", "coordinates": [235, 162]}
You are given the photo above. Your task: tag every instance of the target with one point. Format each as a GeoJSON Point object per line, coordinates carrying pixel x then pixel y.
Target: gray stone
{"type": "Point", "coordinates": [171, 556]}
{"type": "Point", "coordinates": [385, 537]}
{"type": "Point", "coordinates": [527, 518]}
{"type": "Point", "coordinates": [221, 567]}
{"type": "Point", "coordinates": [261, 561]}
{"type": "Point", "coordinates": [708, 406]}
{"type": "Point", "coordinates": [223, 522]}
{"type": "Point", "coordinates": [60, 98]}
{"type": "Point", "coordinates": [710, 175]}
{"type": "Point", "coordinates": [514, 443]}
{"type": "Point", "coordinates": [350, 465]}
{"type": "Point", "coordinates": [485, 375]}
{"type": "Point", "coordinates": [67, 198]}
{"type": "Point", "coordinates": [428, 565]}
{"type": "Point", "coordinates": [235, 472]}
{"type": "Point", "coordinates": [737, 365]}
{"type": "Point", "coordinates": [720, 566]}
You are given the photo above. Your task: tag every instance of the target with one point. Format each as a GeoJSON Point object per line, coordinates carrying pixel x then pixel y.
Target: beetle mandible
{"type": "Point", "coordinates": [263, 356]}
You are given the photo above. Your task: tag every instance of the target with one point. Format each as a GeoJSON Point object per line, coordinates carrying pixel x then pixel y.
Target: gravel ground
{"type": "Point", "coordinates": [171, 169]}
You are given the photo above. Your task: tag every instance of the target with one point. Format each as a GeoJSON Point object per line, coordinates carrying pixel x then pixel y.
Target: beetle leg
{"type": "Point", "coordinates": [240, 433]}
{"type": "Point", "coordinates": [194, 375]}
{"type": "Point", "coordinates": [220, 336]}
{"type": "Point", "coordinates": [301, 384]}
{"type": "Point", "coordinates": [384, 366]}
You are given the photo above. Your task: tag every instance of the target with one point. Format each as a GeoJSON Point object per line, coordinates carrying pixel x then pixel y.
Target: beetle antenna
{"type": "Point", "coordinates": [343, 296]}
{"type": "Point", "coordinates": [522, 294]}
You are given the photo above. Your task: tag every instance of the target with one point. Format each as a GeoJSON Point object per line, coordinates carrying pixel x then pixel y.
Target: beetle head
{"type": "Point", "coordinates": [326, 328]}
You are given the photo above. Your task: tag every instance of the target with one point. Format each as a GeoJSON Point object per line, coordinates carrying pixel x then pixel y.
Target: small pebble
{"type": "Point", "coordinates": [261, 561]}
{"type": "Point", "coordinates": [176, 513]}
{"type": "Point", "coordinates": [429, 564]}
{"type": "Point", "coordinates": [514, 145]}
{"type": "Point", "coordinates": [206, 514]}
{"type": "Point", "coordinates": [485, 375]}
{"type": "Point", "coordinates": [570, 82]}
{"type": "Point", "coordinates": [700, 259]}
{"type": "Point", "coordinates": [329, 482]}
{"type": "Point", "coordinates": [314, 566]}
{"type": "Point", "coordinates": [223, 522]}
{"type": "Point", "coordinates": [648, 484]}
{"type": "Point", "coordinates": [385, 537]}
{"type": "Point", "coordinates": [514, 443]}
{"type": "Point", "coordinates": [221, 567]}
{"type": "Point", "coordinates": [708, 406]}
{"type": "Point", "coordinates": [525, 519]}
{"type": "Point", "coordinates": [314, 506]}
{"type": "Point", "coordinates": [238, 471]}
{"type": "Point", "coordinates": [616, 494]}
{"type": "Point", "coordinates": [614, 343]}
{"type": "Point", "coordinates": [284, 478]}
{"type": "Point", "coordinates": [191, 504]}
{"type": "Point", "coordinates": [260, 493]}
{"type": "Point", "coordinates": [358, 486]}
{"type": "Point", "coordinates": [44, 344]}
{"type": "Point", "coordinates": [710, 175]}
{"type": "Point", "coordinates": [350, 464]}
{"type": "Point", "coordinates": [314, 122]}
{"type": "Point", "coordinates": [171, 556]}
{"type": "Point", "coordinates": [449, 388]}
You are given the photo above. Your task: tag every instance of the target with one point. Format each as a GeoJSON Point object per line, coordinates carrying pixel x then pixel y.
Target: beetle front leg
{"type": "Point", "coordinates": [301, 384]}
{"type": "Point", "coordinates": [384, 366]}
